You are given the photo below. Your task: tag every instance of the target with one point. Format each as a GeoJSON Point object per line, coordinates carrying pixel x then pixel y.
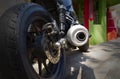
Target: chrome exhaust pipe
{"type": "Point", "coordinates": [77, 35]}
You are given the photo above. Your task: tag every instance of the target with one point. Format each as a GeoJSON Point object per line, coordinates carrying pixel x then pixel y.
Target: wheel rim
{"type": "Point", "coordinates": [39, 61]}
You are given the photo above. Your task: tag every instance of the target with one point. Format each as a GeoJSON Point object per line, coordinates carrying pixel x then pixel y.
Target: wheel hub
{"type": "Point", "coordinates": [51, 52]}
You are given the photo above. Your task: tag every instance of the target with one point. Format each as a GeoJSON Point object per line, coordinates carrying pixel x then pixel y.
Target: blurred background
{"type": "Point", "coordinates": [100, 17]}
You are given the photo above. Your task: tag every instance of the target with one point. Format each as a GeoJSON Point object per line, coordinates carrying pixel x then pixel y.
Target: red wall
{"type": "Point", "coordinates": [111, 30]}
{"type": "Point", "coordinates": [86, 13]}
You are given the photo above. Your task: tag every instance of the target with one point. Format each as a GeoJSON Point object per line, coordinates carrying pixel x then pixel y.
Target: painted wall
{"type": "Point", "coordinates": [98, 30]}
{"type": "Point", "coordinates": [112, 2]}
{"type": "Point", "coordinates": [115, 12]}
{"type": "Point", "coordinates": [111, 27]}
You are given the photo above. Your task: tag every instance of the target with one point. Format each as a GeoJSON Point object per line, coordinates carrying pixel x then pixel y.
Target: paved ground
{"type": "Point", "coordinates": [100, 62]}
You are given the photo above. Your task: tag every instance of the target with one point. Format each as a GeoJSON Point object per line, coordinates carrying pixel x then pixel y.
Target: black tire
{"type": "Point", "coordinates": [84, 48]}
{"type": "Point", "coordinates": [14, 23]}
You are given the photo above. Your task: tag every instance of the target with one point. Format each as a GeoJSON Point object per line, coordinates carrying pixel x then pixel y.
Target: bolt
{"type": "Point", "coordinates": [57, 45]}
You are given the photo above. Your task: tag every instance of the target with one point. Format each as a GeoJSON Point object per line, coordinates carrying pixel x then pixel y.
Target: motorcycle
{"type": "Point", "coordinates": [35, 36]}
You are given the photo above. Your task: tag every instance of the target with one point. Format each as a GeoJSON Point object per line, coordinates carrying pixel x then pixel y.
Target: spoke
{"type": "Point", "coordinates": [35, 41]}
{"type": "Point", "coordinates": [46, 67]}
{"type": "Point", "coordinates": [40, 66]}
{"type": "Point", "coordinates": [36, 27]}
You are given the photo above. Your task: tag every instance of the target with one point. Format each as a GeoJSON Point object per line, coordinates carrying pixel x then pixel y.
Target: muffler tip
{"type": "Point", "coordinates": [77, 35]}
{"type": "Point", "coordinates": [81, 36]}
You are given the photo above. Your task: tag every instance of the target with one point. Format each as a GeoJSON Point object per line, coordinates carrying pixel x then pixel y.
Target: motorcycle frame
{"type": "Point", "coordinates": [62, 11]}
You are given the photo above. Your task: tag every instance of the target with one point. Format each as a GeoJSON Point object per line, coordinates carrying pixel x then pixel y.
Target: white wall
{"type": "Point", "coordinates": [116, 16]}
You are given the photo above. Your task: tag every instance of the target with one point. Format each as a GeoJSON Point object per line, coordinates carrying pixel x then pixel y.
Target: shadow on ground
{"type": "Point", "coordinates": [100, 62]}
{"type": "Point", "coordinates": [75, 69]}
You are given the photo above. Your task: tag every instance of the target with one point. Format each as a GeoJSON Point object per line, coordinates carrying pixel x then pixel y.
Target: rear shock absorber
{"type": "Point", "coordinates": [62, 11]}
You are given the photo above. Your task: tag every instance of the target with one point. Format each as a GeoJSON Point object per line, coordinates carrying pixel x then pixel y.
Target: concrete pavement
{"type": "Point", "coordinates": [100, 62]}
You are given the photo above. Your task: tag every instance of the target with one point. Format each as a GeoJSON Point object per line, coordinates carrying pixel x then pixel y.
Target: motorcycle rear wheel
{"type": "Point", "coordinates": [18, 54]}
